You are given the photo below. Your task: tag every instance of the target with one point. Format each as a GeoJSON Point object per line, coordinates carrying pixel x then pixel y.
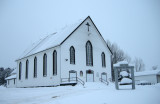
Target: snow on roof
{"type": "Point", "coordinates": [151, 72]}
{"type": "Point", "coordinates": [14, 71]}
{"type": "Point", "coordinates": [52, 40]}
{"type": "Point", "coordinates": [122, 62]}
{"type": "Point", "coordinates": [124, 73]}
{"type": "Point", "coordinates": [11, 77]}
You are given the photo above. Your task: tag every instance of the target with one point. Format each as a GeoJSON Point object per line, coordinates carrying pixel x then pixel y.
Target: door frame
{"type": "Point", "coordinates": [89, 71]}
{"type": "Point", "coordinates": [72, 71]}
{"type": "Point", "coordinates": [104, 73]}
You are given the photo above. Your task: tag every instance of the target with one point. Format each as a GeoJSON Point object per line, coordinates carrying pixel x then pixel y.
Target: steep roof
{"type": "Point", "coordinates": [54, 39]}
{"type": "Point", "coordinates": [14, 71]}
{"type": "Point", "coordinates": [151, 72]}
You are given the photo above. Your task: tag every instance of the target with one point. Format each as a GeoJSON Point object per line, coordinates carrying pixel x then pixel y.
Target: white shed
{"type": "Point", "coordinates": [11, 80]}
{"type": "Point", "coordinates": [152, 76]}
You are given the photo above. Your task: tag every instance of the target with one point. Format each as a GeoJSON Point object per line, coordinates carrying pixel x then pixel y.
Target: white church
{"type": "Point", "coordinates": [76, 54]}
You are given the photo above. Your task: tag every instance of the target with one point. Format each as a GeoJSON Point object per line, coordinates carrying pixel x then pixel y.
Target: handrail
{"type": "Point", "coordinates": [75, 79]}
{"type": "Point", "coordinates": [81, 81]}
{"type": "Point", "coordinates": [104, 81]}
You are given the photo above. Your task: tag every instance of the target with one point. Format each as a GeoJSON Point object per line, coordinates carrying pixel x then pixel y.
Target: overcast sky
{"type": "Point", "coordinates": [133, 24]}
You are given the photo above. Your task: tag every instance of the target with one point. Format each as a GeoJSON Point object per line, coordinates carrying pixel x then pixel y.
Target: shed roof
{"type": "Point", "coordinates": [123, 62]}
{"type": "Point", "coordinates": [144, 73]}
{"type": "Point", "coordinates": [11, 77]}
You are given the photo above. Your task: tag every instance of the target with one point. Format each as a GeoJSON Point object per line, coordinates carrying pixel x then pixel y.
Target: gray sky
{"type": "Point", "coordinates": [133, 24]}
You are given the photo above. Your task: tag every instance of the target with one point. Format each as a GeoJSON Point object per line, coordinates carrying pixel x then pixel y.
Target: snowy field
{"type": "Point", "coordinates": [93, 93]}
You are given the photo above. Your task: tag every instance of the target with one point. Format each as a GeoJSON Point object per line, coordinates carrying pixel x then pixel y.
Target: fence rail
{"type": "Point", "coordinates": [72, 79]}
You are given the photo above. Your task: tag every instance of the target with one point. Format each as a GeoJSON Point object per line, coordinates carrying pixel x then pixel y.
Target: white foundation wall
{"type": "Point", "coordinates": [11, 83]}
{"type": "Point", "coordinates": [149, 78]}
{"type": "Point", "coordinates": [78, 40]}
{"type": "Point", "coordinates": [49, 80]}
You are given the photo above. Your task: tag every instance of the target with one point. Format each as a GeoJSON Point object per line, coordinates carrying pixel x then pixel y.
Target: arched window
{"type": "Point", "coordinates": [35, 67]}
{"type": "Point", "coordinates": [55, 62]}
{"type": "Point", "coordinates": [103, 59]}
{"type": "Point", "coordinates": [72, 55]}
{"type": "Point", "coordinates": [81, 73]}
{"type": "Point", "coordinates": [89, 54]}
{"type": "Point", "coordinates": [20, 70]}
{"type": "Point", "coordinates": [45, 65]}
{"type": "Point", "coordinates": [27, 65]}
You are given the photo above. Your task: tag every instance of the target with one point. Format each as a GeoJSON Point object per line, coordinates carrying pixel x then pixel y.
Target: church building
{"type": "Point", "coordinates": [76, 53]}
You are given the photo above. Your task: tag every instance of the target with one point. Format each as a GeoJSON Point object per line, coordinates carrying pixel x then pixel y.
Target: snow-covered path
{"type": "Point", "coordinates": [93, 93]}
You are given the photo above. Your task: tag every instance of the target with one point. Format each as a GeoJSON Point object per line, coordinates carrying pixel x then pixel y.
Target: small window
{"type": "Point", "coordinates": [81, 73]}
{"type": "Point", "coordinates": [14, 81]}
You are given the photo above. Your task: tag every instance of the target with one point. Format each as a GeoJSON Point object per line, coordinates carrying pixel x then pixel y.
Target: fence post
{"type": "Point", "coordinates": [116, 78]}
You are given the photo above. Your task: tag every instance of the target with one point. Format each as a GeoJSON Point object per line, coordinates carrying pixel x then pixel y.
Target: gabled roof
{"type": "Point", "coordinates": [11, 77]}
{"type": "Point", "coordinates": [144, 73]}
{"type": "Point", "coordinates": [55, 39]}
{"type": "Point", "coordinates": [122, 62]}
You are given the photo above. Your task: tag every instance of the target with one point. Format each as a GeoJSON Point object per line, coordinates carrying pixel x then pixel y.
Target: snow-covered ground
{"type": "Point", "coordinates": [93, 93]}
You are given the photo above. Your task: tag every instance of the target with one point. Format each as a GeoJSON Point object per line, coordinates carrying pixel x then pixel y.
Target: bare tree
{"type": "Point", "coordinates": [4, 73]}
{"type": "Point", "coordinates": [139, 65]}
{"type": "Point", "coordinates": [118, 55]}
{"type": "Point", "coordinates": [154, 67]}
{"type": "Point", "coordinates": [128, 58]}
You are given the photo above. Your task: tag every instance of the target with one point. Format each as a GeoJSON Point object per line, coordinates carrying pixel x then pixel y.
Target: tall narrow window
{"type": "Point", "coordinates": [14, 81]}
{"type": "Point", "coordinates": [55, 62]}
{"type": "Point", "coordinates": [89, 54]}
{"type": "Point", "coordinates": [35, 67]}
{"type": "Point", "coordinates": [27, 65]}
{"type": "Point", "coordinates": [45, 65]}
{"type": "Point", "coordinates": [72, 55]}
{"type": "Point", "coordinates": [103, 59]}
{"type": "Point", "coordinates": [20, 70]}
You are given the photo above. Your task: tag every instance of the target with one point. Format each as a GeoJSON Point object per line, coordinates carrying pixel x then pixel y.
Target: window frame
{"type": "Point", "coordinates": [54, 62]}
{"type": "Point", "coordinates": [72, 55]}
{"type": "Point", "coordinates": [103, 59]}
{"type": "Point", "coordinates": [89, 59]}
{"type": "Point", "coordinates": [27, 68]}
{"type": "Point", "coordinates": [35, 67]}
{"type": "Point", "coordinates": [45, 65]}
{"type": "Point", "coordinates": [20, 70]}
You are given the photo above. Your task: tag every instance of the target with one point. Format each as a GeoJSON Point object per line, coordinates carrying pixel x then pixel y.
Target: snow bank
{"type": "Point", "coordinates": [126, 81]}
{"type": "Point", "coordinates": [93, 93]}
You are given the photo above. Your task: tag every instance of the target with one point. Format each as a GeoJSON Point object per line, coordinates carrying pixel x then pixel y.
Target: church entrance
{"type": "Point", "coordinates": [104, 76]}
{"type": "Point", "coordinates": [72, 76]}
{"type": "Point", "coordinates": [89, 76]}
